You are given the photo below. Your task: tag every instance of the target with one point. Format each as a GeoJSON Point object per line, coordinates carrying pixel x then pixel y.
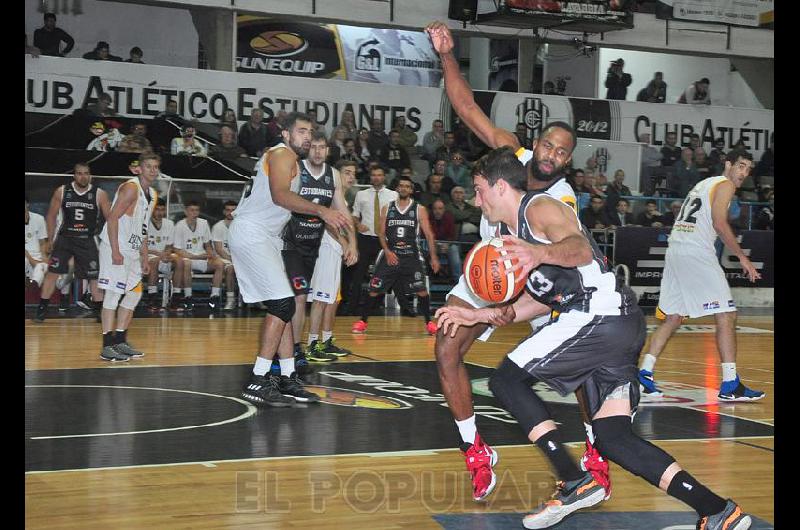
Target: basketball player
{"type": "Point", "coordinates": [35, 246]}
{"type": "Point", "coordinates": [694, 284]}
{"type": "Point", "coordinates": [593, 343]}
{"type": "Point", "coordinates": [192, 241]}
{"type": "Point", "coordinates": [80, 205]}
{"type": "Point", "coordinates": [161, 255]}
{"type": "Point", "coordinates": [256, 244]}
{"type": "Point", "coordinates": [123, 258]}
{"type": "Point", "coordinates": [302, 235]}
{"type": "Point", "coordinates": [219, 239]}
{"type": "Point", "coordinates": [326, 281]}
{"type": "Point", "coordinates": [550, 153]}
{"type": "Point", "coordinates": [400, 261]}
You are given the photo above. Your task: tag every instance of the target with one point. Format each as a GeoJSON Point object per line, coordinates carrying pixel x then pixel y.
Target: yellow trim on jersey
{"type": "Point", "coordinates": [713, 189]}
{"type": "Point", "coordinates": [519, 152]}
{"type": "Point", "coordinates": [661, 315]}
{"type": "Point", "coordinates": [137, 288]}
{"type": "Point", "coordinates": [569, 201]}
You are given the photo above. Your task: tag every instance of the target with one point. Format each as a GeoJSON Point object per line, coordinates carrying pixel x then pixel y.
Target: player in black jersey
{"type": "Point", "coordinates": [302, 235]}
{"type": "Point", "coordinates": [81, 205]}
{"type": "Point", "coordinates": [592, 344]}
{"type": "Point", "coordinates": [400, 261]}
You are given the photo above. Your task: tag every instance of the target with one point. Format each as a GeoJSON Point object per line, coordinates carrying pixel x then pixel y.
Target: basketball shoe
{"type": "Point", "coordinates": [595, 464]}
{"type": "Point", "coordinates": [316, 353]}
{"type": "Point", "coordinates": [480, 459]}
{"type": "Point", "coordinates": [359, 327]}
{"type": "Point", "coordinates": [568, 497]}
{"type": "Point", "coordinates": [731, 518]}
{"type": "Point", "coordinates": [265, 390]}
{"type": "Point", "coordinates": [214, 303]}
{"type": "Point", "coordinates": [301, 364]}
{"type": "Point", "coordinates": [108, 353]}
{"type": "Point", "coordinates": [330, 347]}
{"type": "Point", "coordinates": [63, 304]}
{"type": "Point", "coordinates": [291, 386]}
{"type": "Point", "coordinates": [648, 385]}
{"type": "Point", "coordinates": [431, 327]}
{"type": "Point", "coordinates": [176, 303]}
{"type": "Point", "coordinates": [736, 391]}
{"type": "Point", "coordinates": [126, 349]}
{"type": "Point", "coordinates": [41, 313]}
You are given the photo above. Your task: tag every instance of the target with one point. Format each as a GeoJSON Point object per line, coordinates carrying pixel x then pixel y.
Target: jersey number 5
{"type": "Point", "coordinates": [79, 214]}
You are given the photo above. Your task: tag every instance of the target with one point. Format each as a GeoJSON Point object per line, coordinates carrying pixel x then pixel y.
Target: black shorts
{"type": "Point", "coordinates": [82, 249]}
{"type": "Point", "coordinates": [409, 273]}
{"type": "Point", "coordinates": [599, 353]}
{"type": "Point", "coordinates": [299, 262]}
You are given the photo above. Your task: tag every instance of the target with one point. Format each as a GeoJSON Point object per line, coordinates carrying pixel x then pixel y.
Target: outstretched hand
{"type": "Point", "coordinates": [440, 36]}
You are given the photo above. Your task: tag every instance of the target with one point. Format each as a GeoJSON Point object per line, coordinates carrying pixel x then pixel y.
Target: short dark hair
{"type": "Point", "coordinates": [705, 80]}
{"type": "Point", "coordinates": [734, 155]}
{"type": "Point", "coordinates": [149, 156]}
{"type": "Point", "coordinates": [650, 201]}
{"type": "Point", "coordinates": [437, 200]}
{"type": "Point", "coordinates": [49, 15]}
{"type": "Point", "coordinates": [292, 118]}
{"type": "Point", "coordinates": [192, 202]}
{"type": "Point", "coordinates": [345, 163]}
{"type": "Point", "coordinates": [596, 196]}
{"type": "Point", "coordinates": [230, 203]}
{"type": "Point", "coordinates": [319, 135]}
{"type": "Point", "coordinates": [407, 179]}
{"type": "Point", "coordinates": [622, 200]}
{"type": "Point", "coordinates": [348, 140]}
{"type": "Point", "coordinates": [376, 166]}
{"type": "Point", "coordinates": [503, 164]}
{"type": "Point", "coordinates": [227, 126]}
{"type": "Point", "coordinates": [161, 202]}
{"type": "Point", "coordinates": [137, 50]}
{"type": "Point", "coordinates": [565, 126]}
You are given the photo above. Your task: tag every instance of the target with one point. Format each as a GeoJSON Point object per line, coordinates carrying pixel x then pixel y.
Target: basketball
{"type": "Point", "coordinates": [485, 269]}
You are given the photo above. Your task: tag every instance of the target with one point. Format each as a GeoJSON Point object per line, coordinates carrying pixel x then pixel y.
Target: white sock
{"type": "Point", "coordinates": [728, 371]}
{"type": "Point", "coordinates": [152, 289]}
{"type": "Point", "coordinates": [326, 335]}
{"type": "Point", "coordinates": [231, 295]}
{"type": "Point", "coordinates": [287, 366]}
{"type": "Point", "coordinates": [589, 432]}
{"type": "Point", "coordinates": [467, 429]}
{"type": "Point", "coordinates": [262, 366]}
{"type": "Point", "coordinates": [187, 291]}
{"type": "Point", "coordinates": [312, 337]}
{"type": "Point", "coordinates": [648, 362]}
{"type": "Point", "coordinates": [215, 291]}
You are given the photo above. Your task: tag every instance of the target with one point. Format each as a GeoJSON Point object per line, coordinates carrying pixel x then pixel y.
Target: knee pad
{"type": "Point", "coordinates": [511, 385]}
{"type": "Point", "coordinates": [131, 299]}
{"type": "Point", "coordinates": [283, 308]}
{"type": "Point", "coordinates": [111, 300]}
{"type": "Point", "coordinates": [615, 440]}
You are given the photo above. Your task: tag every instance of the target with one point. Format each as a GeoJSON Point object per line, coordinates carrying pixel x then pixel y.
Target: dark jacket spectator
{"type": "Point", "coordinates": [670, 153]}
{"type": "Point", "coordinates": [655, 91]}
{"type": "Point", "coordinates": [685, 173]}
{"type": "Point", "coordinates": [444, 228]}
{"type": "Point", "coordinates": [445, 152]}
{"type": "Point", "coordinates": [594, 215]}
{"type": "Point", "coordinates": [650, 216]}
{"type": "Point", "coordinates": [378, 141]}
{"type": "Point", "coordinates": [434, 192]}
{"type": "Point", "coordinates": [395, 156]}
{"type": "Point", "coordinates": [101, 53]}
{"type": "Point", "coordinates": [227, 148]}
{"type": "Point", "coordinates": [765, 220]}
{"type": "Point", "coordinates": [136, 141]}
{"type": "Point", "coordinates": [463, 212]}
{"type": "Point", "coordinates": [135, 56]}
{"type": "Point", "coordinates": [253, 134]}
{"type": "Point", "coordinates": [48, 38]}
{"type": "Point", "coordinates": [617, 81]}
{"type": "Point", "coordinates": [766, 166]}
{"type": "Point", "coordinates": [615, 190]}
{"type": "Point", "coordinates": [668, 219]}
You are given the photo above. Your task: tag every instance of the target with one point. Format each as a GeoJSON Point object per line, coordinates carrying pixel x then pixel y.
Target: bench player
{"type": "Point", "coordinates": [160, 252]}
{"type": "Point", "coordinates": [219, 240]}
{"type": "Point", "coordinates": [35, 246]}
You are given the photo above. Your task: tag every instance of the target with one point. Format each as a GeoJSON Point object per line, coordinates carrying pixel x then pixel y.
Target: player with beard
{"type": "Point", "coordinates": [255, 245]}
{"type": "Point", "coordinates": [550, 153]}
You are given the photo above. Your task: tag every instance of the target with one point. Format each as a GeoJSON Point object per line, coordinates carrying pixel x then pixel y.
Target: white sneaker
{"type": "Point", "coordinates": [230, 304]}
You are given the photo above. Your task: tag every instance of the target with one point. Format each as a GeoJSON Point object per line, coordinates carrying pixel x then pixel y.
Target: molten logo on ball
{"type": "Point", "coordinates": [497, 278]}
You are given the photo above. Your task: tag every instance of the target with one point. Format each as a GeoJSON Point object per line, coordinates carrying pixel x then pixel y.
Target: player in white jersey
{"type": "Point", "coordinates": [123, 258]}
{"type": "Point", "coordinates": [255, 244]}
{"type": "Point", "coordinates": [219, 241]}
{"type": "Point", "coordinates": [160, 252]}
{"type": "Point", "coordinates": [192, 242]}
{"type": "Point", "coordinates": [548, 156]}
{"type": "Point", "coordinates": [35, 246]}
{"type": "Point", "coordinates": [694, 283]}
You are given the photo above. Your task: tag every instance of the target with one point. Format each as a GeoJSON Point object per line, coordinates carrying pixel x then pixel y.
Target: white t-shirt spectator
{"type": "Point", "coordinates": [192, 241]}
{"type": "Point", "coordinates": [35, 231]}
{"type": "Point", "coordinates": [157, 240]}
{"type": "Point", "coordinates": [220, 233]}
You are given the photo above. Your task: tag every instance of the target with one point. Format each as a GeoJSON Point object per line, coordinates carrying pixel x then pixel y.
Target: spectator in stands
{"type": "Point", "coordinates": [100, 108]}
{"type": "Point", "coordinates": [716, 158]}
{"type": "Point", "coordinates": [655, 91]}
{"type": "Point", "coordinates": [668, 219]}
{"type": "Point", "coordinates": [670, 153]}
{"type": "Point", "coordinates": [594, 216]}
{"type": "Point", "coordinates": [447, 148]}
{"type": "Point", "coordinates": [466, 216]}
{"type": "Point", "coordinates": [582, 192]}
{"type": "Point", "coordinates": [434, 192]}
{"type": "Point", "coordinates": [590, 183]}
{"type": "Point", "coordinates": [187, 143]}
{"type": "Point", "coordinates": [444, 227]}
{"type": "Point", "coordinates": [766, 166]}
{"type": "Point", "coordinates": [227, 148]}
{"type": "Point", "coordinates": [377, 141]}
{"type": "Point", "coordinates": [650, 216]}
{"type": "Point", "coordinates": [696, 93]}
{"type": "Point", "coordinates": [347, 173]}
{"type": "Point", "coordinates": [432, 141]}
{"type": "Point", "coordinates": [616, 189]}
{"type": "Point", "coordinates": [135, 56]}
{"type": "Point", "coordinates": [165, 126]}
{"type": "Point", "coordinates": [408, 138]}
{"type": "Point", "coordinates": [229, 118]}
{"type": "Point", "coordinates": [101, 53]}
{"type": "Point", "coordinates": [617, 81]}
{"type": "Point", "coordinates": [48, 38]}
{"type": "Point", "coordinates": [362, 145]}
{"type": "Point", "coordinates": [395, 157]}
{"type": "Point", "coordinates": [765, 220]}
{"type": "Point", "coordinates": [349, 124]}
{"type": "Point", "coordinates": [685, 172]}
{"type": "Point", "coordinates": [136, 141]}
{"type": "Point", "coordinates": [440, 168]}
{"type": "Point", "coordinates": [461, 135]}
{"type": "Point", "coordinates": [458, 171]}
{"type": "Point", "coordinates": [104, 140]}
{"type": "Point", "coordinates": [275, 126]}
{"type": "Point", "coordinates": [701, 162]}
{"type": "Point", "coordinates": [33, 51]}
{"type": "Point", "coordinates": [350, 154]}
{"type": "Point", "coordinates": [253, 135]}
{"type": "Point", "coordinates": [521, 132]}
{"type": "Point", "coordinates": [170, 111]}
{"type": "Point", "coordinates": [336, 144]}
{"type": "Point", "coordinates": [651, 161]}
{"type": "Point", "coordinates": [622, 217]}
{"type": "Point", "coordinates": [320, 127]}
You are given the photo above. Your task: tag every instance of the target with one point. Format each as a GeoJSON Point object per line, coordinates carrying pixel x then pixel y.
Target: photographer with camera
{"type": "Point", "coordinates": [617, 81]}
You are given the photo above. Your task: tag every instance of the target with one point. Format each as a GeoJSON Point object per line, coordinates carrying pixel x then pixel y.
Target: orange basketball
{"type": "Point", "coordinates": [485, 269]}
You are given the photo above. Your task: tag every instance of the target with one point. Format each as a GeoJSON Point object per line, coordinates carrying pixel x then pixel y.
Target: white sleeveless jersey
{"type": "Point", "coordinates": [158, 239]}
{"type": "Point", "coordinates": [693, 228]}
{"type": "Point", "coordinates": [257, 208]}
{"type": "Point", "coordinates": [132, 229]}
{"type": "Point", "coordinates": [559, 190]}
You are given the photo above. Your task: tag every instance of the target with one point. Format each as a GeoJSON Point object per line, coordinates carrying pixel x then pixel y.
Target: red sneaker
{"type": "Point", "coordinates": [359, 327]}
{"type": "Point", "coordinates": [431, 327]}
{"type": "Point", "coordinates": [480, 459]}
{"type": "Point", "coordinates": [597, 466]}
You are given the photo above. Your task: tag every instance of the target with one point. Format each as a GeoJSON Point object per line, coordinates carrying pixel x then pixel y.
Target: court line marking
{"type": "Point", "coordinates": [756, 446]}
{"type": "Point", "coordinates": [413, 452]}
{"type": "Point", "coordinates": [251, 410]}
{"type": "Point", "coordinates": [248, 364]}
{"type": "Point", "coordinates": [723, 403]}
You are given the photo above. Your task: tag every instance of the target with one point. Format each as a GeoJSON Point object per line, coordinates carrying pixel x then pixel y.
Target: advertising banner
{"type": "Point", "coordinates": [612, 11]}
{"type": "Point", "coordinates": [642, 250]}
{"type": "Point", "coordinates": [753, 13]}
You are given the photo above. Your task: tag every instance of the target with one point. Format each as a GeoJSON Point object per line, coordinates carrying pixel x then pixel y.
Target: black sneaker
{"type": "Point", "coordinates": [63, 304]}
{"type": "Point", "coordinates": [126, 349]}
{"type": "Point", "coordinates": [262, 390]}
{"type": "Point", "coordinates": [109, 353]}
{"type": "Point", "coordinates": [292, 387]}
{"type": "Point", "coordinates": [176, 304]}
{"type": "Point", "coordinates": [188, 304]}
{"type": "Point", "coordinates": [214, 303]}
{"type": "Point", "coordinates": [85, 302]}
{"type": "Point", "coordinates": [301, 364]}
{"type": "Point", "coordinates": [330, 347]}
{"type": "Point", "coordinates": [316, 353]}
{"type": "Point", "coordinates": [41, 313]}
{"type": "Point", "coordinates": [731, 518]}
{"type": "Point", "coordinates": [153, 302]}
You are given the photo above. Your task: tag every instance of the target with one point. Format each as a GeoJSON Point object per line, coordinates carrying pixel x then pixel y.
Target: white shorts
{"type": "Point", "coordinates": [35, 273]}
{"type": "Point", "coordinates": [118, 278]}
{"type": "Point", "coordinates": [694, 285]}
{"type": "Point", "coordinates": [165, 267]}
{"type": "Point", "coordinates": [257, 259]}
{"type": "Point", "coordinates": [327, 276]}
{"type": "Point", "coordinates": [199, 265]}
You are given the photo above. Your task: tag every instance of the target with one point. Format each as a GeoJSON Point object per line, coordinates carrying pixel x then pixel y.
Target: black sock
{"type": "Point", "coordinates": [44, 302]}
{"type": "Point", "coordinates": [369, 305]}
{"type": "Point", "coordinates": [565, 467]}
{"type": "Point", "coordinates": [121, 336]}
{"type": "Point", "coordinates": [425, 307]}
{"type": "Point", "coordinates": [108, 339]}
{"type": "Point", "coordinates": [686, 488]}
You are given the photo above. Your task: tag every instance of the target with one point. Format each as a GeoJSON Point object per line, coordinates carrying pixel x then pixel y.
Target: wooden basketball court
{"type": "Point", "coordinates": [165, 441]}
